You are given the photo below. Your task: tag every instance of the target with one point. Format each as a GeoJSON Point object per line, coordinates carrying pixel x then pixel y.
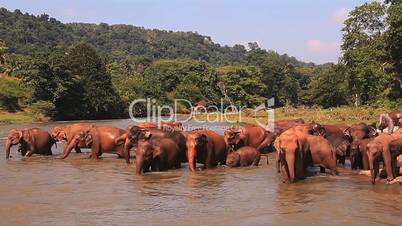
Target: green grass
{"type": "Point", "coordinates": [18, 117]}
{"type": "Point", "coordinates": [348, 115]}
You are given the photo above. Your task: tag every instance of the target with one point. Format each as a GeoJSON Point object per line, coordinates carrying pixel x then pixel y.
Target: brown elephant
{"type": "Point", "coordinates": [253, 136]}
{"type": "Point", "coordinates": [360, 131]}
{"type": "Point", "coordinates": [158, 154]}
{"type": "Point", "coordinates": [299, 150]}
{"type": "Point", "coordinates": [395, 147]}
{"type": "Point", "coordinates": [31, 141]}
{"type": "Point", "coordinates": [389, 120]}
{"type": "Point", "coordinates": [289, 157]}
{"type": "Point", "coordinates": [149, 125]}
{"type": "Point", "coordinates": [101, 139]}
{"type": "Point", "coordinates": [335, 135]}
{"type": "Point", "coordinates": [283, 125]}
{"type": "Point", "coordinates": [378, 150]}
{"type": "Point", "coordinates": [205, 146]}
{"type": "Point", "coordinates": [308, 128]}
{"type": "Point", "coordinates": [68, 132]}
{"type": "Point", "coordinates": [244, 156]}
{"type": "Point", "coordinates": [358, 154]}
{"type": "Point", "coordinates": [131, 137]}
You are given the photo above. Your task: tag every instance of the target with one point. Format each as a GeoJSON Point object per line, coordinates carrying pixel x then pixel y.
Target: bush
{"type": "Point", "coordinates": [11, 93]}
{"type": "Point", "coordinates": [43, 110]}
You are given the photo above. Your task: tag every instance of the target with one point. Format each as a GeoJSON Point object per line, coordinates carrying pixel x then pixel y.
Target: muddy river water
{"type": "Point", "coordinates": [78, 191]}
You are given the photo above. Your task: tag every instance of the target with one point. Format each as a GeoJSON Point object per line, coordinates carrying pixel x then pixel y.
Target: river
{"type": "Point", "coordinates": [78, 191]}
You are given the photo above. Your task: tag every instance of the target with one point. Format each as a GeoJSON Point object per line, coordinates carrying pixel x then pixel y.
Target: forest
{"type": "Point", "coordinates": [93, 71]}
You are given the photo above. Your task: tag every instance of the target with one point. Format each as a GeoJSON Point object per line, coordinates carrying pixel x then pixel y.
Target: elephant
{"type": "Point", "coordinates": [379, 150]}
{"type": "Point", "coordinates": [389, 120]}
{"type": "Point", "coordinates": [283, 125]}
{"type": "Point", "coordinates": [334, 134]}
{"type": "Point", "coordinates": [131, 137]}
{"type": "Point", "coordinates": [395, 148]}
{"type": "Point", "coordinates": [31, 141]}
{"type": "Point", "coordinates": [358, 154]}
{"type": "Point", "coordinates": [253, 136]}
{"type": "Point", "coordinates": [244, 156]}
{"type": "Point", "coordinates": [299, 150]}
{"type": "Point", "coordinates": [360, 131]}
{"type": "Point", "coordinates": [68, 132]}
{"type": "Point", "coordinates": [310, 128]}
{"type": "Point", "coordinates": [158, 154]}
{"type": "Point", "coordinates": [101, 139]}
{"type": "Point", "coordinates": [175, 125]}
{"type": "Point", "coordinates": [289, 157]}
{"type": "Point", "coordinates": [205, 146]}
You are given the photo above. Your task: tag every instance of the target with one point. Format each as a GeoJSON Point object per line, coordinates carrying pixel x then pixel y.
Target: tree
{"type": "Point", "coordinates": [394, 45]}
{"type": "Point", "coordinates": [243, 85]}
{"type": "Point", "coordinates": [364, 53]}
{"type": "Point", "coordinates": [99, 98]}
{"type": "Point", "coordinates": [327, 87]}
{"type": "Point", "coordinates": [171, 76]}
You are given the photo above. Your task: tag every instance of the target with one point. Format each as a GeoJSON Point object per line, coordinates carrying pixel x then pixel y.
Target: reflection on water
{"type": "Point", "coordinates": [77, 191]}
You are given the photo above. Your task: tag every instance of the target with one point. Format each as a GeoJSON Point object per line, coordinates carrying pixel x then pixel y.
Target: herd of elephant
{"type": "Point", "coordinates": [297, 145]}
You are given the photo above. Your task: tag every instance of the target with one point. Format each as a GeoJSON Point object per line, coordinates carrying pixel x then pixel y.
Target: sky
{"type": "Point", "coordinates": [310, 30]}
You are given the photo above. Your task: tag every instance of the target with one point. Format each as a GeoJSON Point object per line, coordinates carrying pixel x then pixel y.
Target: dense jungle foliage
{"type": "Point", "coordinates": [94, 71]}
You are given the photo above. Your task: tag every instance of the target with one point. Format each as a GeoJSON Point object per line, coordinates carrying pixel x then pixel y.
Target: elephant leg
{"type": "Point", "coordinates": [257, 160]}
{"type": "Point", "coordinates": [77, 150]}
{"type": "Point", "coordinates": [290, 160]}
{"type": "Point", "coordinates": [278, 162]}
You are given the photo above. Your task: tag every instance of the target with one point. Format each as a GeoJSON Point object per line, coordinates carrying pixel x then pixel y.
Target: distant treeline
{"type": "Point", "coordinates": [88, 71]}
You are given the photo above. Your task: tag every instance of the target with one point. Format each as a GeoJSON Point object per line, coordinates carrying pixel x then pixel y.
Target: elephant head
{"type": "Point", "coordinates": [131, 138]}
{"type": "Point", "coordinates": [354, 153]}
{"type": "Point", "coordinates": [233, 159]}
{"type": "Point", "coordinates": [145, 153]}
{"type": "Point", "coordinates": [318, 130]}
{"type": "Point", "coordinates": [360, 131]}
{"type": "Point", "coordinates": [232, 137]}
{"type": "Point", "coordinates": [14, 137]}
{"type": "Point", "coordinates": [385, 121]}
{"type": "Point", "coordinates": [22, 137]}
{"type": "Point", "coordinates": [374, 151]}
{"type": "Point", "coordinates": [59, 134]}
{"type": "Point", "coordinates": [83, 136]}
{"type": "Point", "coordinates": [197, 144]}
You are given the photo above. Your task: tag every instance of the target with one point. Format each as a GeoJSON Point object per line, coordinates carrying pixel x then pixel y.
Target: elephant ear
{"type": "Point", "coordinates": [347, 133]}
{"type": "Point", "coordinates": [89, 139]}
{"type": "Point", "coordinates": [26, 135]}
{"type": "Point", "coordinates": [203, 139]}
{"type": "Point", "coordinates": [156, 152]}
{"type": "Point", "coordinates": [372, 131]}
{"type": "Point", "coordinates": [147, 135]}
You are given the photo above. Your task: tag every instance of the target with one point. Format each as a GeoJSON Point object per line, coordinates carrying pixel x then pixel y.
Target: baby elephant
{"type": "Point", "coordinates": [244, 156]}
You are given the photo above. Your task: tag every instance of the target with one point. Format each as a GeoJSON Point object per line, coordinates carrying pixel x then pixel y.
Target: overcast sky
{"type": "Point", "coordinates": [306, 29]}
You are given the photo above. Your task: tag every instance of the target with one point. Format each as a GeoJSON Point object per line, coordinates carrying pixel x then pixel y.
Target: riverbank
{"type": "Point", "coordinates": [17, 117]}
{"type": "Point", "coordinates": [348, 115]}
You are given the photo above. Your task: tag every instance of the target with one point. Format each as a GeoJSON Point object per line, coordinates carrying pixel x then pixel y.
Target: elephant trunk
{"type": "Point", "coordinates": [127, 147]}
{"type": "Point", "coordinates": [388, 166]}
{"type": "Point", "coordinates": [191, 156]}
{"type": "Point", "coordinates": [373, 168]}
{"type": "Point", "coordinates": [67, 150]}
{"type": "Point", "coordinates": [139, 164]}
{"type": "Point", "coordinates": [8, 146]}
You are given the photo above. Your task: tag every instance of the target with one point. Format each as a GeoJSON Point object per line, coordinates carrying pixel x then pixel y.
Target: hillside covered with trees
{"type": "Point", "coordinates": [93, 71]}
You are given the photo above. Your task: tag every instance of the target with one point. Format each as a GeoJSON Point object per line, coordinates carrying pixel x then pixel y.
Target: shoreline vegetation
{"type": "Point", "coordinates": [51, 70]}
{"type": "Point", "coordinates": [348, 115]}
